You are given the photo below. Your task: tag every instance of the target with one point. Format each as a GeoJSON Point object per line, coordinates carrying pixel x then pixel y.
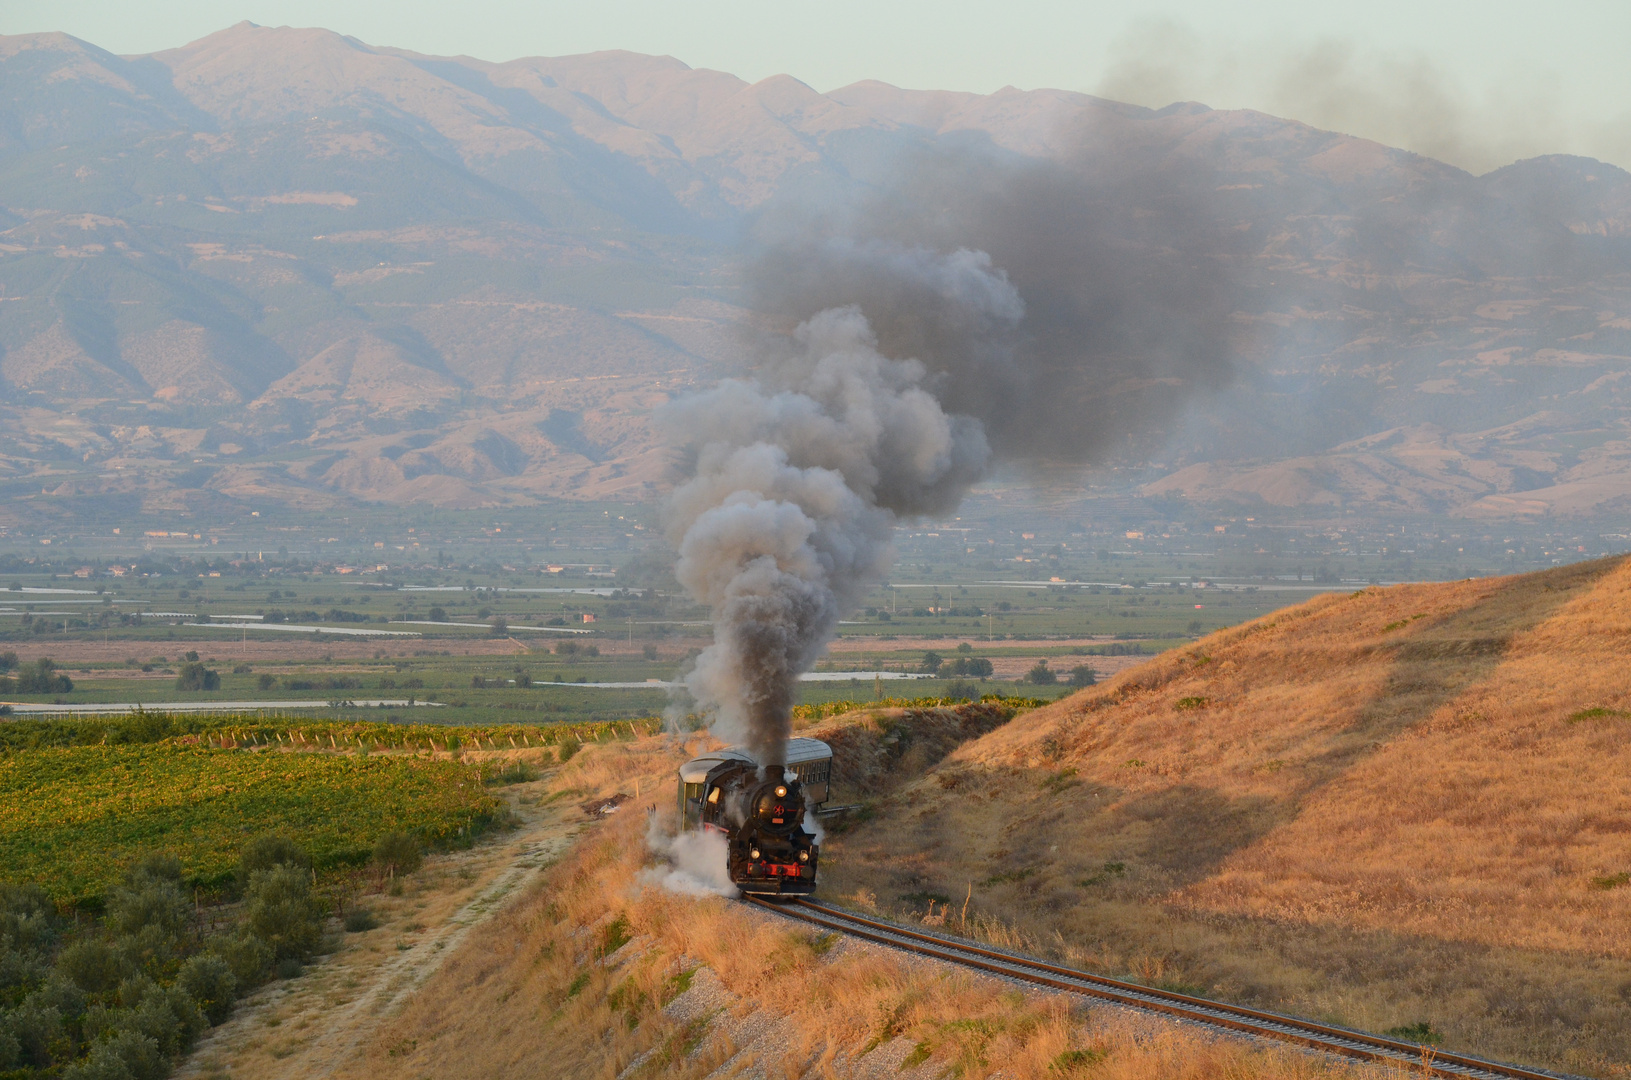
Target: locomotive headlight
{"type": "Point", "coordinates": [804, 856]}
{"type": "Point", "coordinates": [754, 853]}
{"type": "Point", "coordinates": [781, 791]}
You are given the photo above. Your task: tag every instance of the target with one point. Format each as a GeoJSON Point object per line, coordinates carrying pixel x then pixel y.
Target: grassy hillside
{"type": "Point", "coordinates": [593, 973]}
{"type": "Point", "coordinates": [1402, 807]}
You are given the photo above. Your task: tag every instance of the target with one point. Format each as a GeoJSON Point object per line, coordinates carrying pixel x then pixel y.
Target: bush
{"type": "Point", "coordinates": [166, 1015]}
{"type": "Point", "coordinates": [516, 772]}
{"type": "Point", "coordinates": [247, 957]}
{"type": "Point", "coordinates": [209, 982]}
{"type": "Point", "coordinates": [150, 905]}
{"type": "Point", "coordinates": [962, 690]}
{"type": "Point", "coordinates": [266, 682]}
{"type": "Point", "coordinates": [498, 626]}
{"type": "Point", "coordinates": [36, 1026]}
{"type": "Point", "coordinates": [92, 965]}
{"type": "Point", "coordinates": [1041, 675]}
{"type": "Point", "coordinates": [126, 1055]}
{"type": "Point", "coordinates": [42, 677]}
{"type": "Point", "coordinates": [567, 749]}
{"type": "Point", "coordinates": [566, 648]}
{"type": "Point", "coordinates": [283, 913]}
{"type": "Point", "coordinates": [437, 615]}
{"type": "Point", "coordinates": [398, 853]}
{"type": "Point", "coordinates": [193, 675]}
{"type": "Point", "coordinates": [359, 919]}
{"type": "Point", "coordinates": [266, 851]}
{"type": "Point", "coordinates": [8, 660]}
{"type": "Point", "coordinates": [1082, 675]}
{"type": "Point", "coordinates": [977, 666]}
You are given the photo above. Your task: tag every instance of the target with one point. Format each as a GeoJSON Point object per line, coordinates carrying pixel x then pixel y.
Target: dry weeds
{"type": "Point", "coordinates": [1410, 804]}
{"type": "Point", "coordinates": [593, 976]}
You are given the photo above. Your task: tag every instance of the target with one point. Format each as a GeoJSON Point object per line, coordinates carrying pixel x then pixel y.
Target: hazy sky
{"type": "Point", "coordinates": [1478, 83]}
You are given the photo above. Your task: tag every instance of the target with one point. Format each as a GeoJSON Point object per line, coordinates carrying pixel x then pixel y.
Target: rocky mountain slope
{"type": "Point", "coordinates": [284, 264]}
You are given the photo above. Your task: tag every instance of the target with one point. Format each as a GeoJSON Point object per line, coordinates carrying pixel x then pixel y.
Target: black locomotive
{"type": "Point", "coordinates": [761, 813]}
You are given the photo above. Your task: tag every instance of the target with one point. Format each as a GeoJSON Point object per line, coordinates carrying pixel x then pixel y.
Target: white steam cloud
{"type": "Point", "coordinates": [692, 863]}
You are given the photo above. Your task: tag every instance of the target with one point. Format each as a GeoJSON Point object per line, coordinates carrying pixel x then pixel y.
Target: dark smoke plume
{"type": "Point", "coordinates": [974, 308]}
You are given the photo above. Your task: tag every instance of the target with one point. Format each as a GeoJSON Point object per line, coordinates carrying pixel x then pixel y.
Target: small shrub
{"type": "Point", "coordinates": [208, 981]}
{"type": "Point", "coordinates": [398, 853]}
{"type": "Point", "coordinates": [193, 675]}
{"type": "Point", "coordinates": [567, 749]}
{"type": "Point", "coordinates": [247, 957]}
{"type": "Point", "coordinates": [41, 677]}
{"type": "Point", "coordinates": [1072, 1060]}
{"type": "Point", "coordinates": [1059, 781]}
{"type": "Point", "coordinates": [1597, 713]}
{"type": "Point", "coordinates": [125, 1055]}
{"type": "Point", "coordinates": [1041, 674]}
{"type": "Point", "coordinates": [1612, 881]}
{"type": "Point", "coordinates": [266, 851]}
{"type": "Point", "coordinates": [266, 682]}
{"type": "Point", "coordinates": [92, 965]}
{"type": "Point", "coordinates": [282, 911]}
{"type": "Point", "coordinates": [1419, 1032]}
{"type": "Point", "coordinates": [1186, 704]}
{"type": "Point", "coordinates": [1107, 873]}
{"type": "Point", "coordinates": [358, 920]}
{"type": "Point", "coordinates": [614, 935]}
{"type": "Point", "coordinates": [516, 772]}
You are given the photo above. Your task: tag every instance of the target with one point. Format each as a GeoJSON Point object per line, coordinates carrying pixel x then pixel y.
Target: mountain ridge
{"type": "Point", "coordinates": [219, 226]}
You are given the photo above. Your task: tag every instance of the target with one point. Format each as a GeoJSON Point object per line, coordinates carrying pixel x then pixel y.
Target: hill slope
{"type": "Point", "coordinates": [1409, 804]}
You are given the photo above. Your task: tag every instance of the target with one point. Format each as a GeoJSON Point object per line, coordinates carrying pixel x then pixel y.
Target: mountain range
{"type": "Point", "coordinates": [283, 264]}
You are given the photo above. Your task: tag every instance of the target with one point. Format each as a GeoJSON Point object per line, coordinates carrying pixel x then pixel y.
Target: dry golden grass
{"type": "Point", "coordinates": [551, 989]}
{"type": "Point", "coordinates": [1409, 804]}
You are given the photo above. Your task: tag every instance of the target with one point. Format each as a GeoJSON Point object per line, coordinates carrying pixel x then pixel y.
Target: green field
{"type": "Point", "coordinates": [75, 816]}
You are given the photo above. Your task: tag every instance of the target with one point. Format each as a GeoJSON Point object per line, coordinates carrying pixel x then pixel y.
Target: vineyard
{"type": "Point", "coordinates": [75, 817]}
{"type": "Point", "coordinates": [81, 798]}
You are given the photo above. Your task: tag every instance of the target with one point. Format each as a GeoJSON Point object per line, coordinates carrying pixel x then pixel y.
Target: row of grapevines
{"type": "Point", "coordinates": [213, 728]}
{"type": "Point", "coordinates": [838, 708]}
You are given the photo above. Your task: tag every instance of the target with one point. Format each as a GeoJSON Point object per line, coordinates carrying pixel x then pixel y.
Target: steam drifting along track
{"type": "Point", "coordinates": [1235, 1018]}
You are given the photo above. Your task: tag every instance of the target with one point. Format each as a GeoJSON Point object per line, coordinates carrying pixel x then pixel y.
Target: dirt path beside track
{"type": "Point", "coordinates": [311, 1025]}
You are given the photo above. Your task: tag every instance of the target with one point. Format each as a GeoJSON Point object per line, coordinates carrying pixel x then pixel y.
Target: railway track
{"type": "Point", "coordinates": [1234, 1018]}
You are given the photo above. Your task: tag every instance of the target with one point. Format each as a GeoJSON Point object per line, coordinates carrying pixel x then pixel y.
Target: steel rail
{"type": "Point", "coordinates": [1236, 1018]}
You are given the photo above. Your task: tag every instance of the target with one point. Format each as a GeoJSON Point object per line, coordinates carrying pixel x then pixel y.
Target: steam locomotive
{"type": "Point", "coordinates": [768, 849]}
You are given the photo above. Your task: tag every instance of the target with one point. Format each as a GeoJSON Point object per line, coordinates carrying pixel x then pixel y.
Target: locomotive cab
{"type": "Point", "coordinates": [762, 817]}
